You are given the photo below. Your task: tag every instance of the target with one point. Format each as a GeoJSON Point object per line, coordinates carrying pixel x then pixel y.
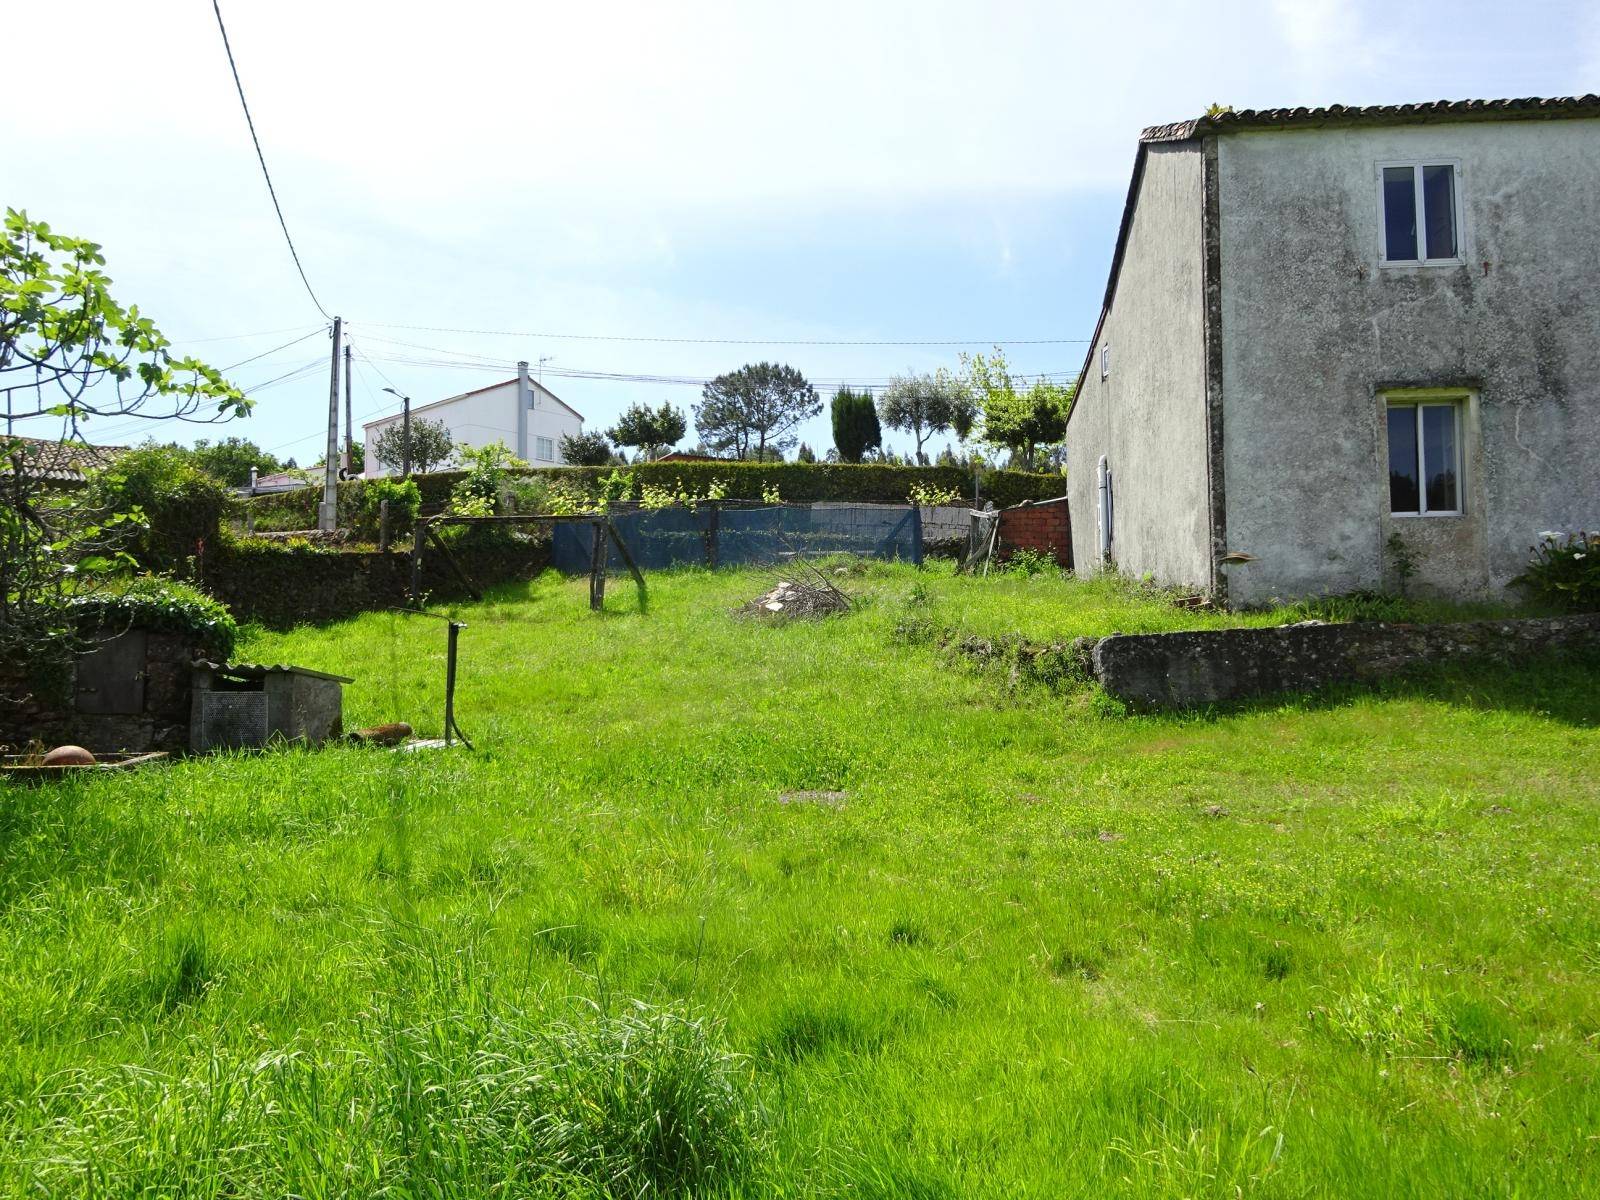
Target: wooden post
{"type": "Point", "coordinates": [597, 565]}
{"type": "Point", "coordinates": [633, 567]}
{"type": "Point", "coordinates": [713, 523]}
{"type": "Point", "coordinates": [440, 545]}
{"type": "Point", "coordinates": [383, 526]}
{"type": "Point", "coordinates": [418, 532]}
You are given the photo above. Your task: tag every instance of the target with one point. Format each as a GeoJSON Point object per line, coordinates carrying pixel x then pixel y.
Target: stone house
{"type": "Point", "coordinates": [1340, 346]}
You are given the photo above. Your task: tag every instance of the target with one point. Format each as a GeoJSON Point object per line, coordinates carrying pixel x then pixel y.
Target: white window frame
{"type": "Point", "coordinates": [539, 446]}
{"type": "Point", "coordinates": [1457, 403]}
{"type": "Point", "coordinates": [1105, 361]}
{"type": "Point", "coordinates": [1416, 165]}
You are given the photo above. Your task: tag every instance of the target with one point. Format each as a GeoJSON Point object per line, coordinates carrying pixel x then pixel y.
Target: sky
{"type": "Point", "coordinates": [669, 190]}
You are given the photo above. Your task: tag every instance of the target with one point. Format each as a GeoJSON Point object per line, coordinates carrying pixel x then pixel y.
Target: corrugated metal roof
{"type": "Point", "coordinates": [1526, 108]}
{"type": "Point", "coordinates": [261, 670]}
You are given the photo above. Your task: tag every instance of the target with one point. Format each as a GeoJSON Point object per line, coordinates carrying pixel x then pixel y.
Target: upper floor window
{"type": "Point", "coordinates": [1425, 458]}
{"type": "Point", "coordinates": [1421, 213]}
{"type": "Point", "coordinates": [544, 448]}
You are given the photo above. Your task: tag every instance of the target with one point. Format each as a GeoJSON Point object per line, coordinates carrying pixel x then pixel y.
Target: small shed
{"type": "Point", "coordinates": [243, 705]}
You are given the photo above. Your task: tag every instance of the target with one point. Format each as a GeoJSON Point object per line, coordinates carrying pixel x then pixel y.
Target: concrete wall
{"type": "Point", "coordinates": [1149, 416]}
{"type": "Point", "coordinates": [1314, 329]}
{"type": "Point", "coordinates": [482, 417]}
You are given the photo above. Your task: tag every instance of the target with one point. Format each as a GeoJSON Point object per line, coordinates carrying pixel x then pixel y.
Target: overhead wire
{"type": "Point", "coordinates": [710, 341]}
{"type": "Point", "coordinates": [262, 159]}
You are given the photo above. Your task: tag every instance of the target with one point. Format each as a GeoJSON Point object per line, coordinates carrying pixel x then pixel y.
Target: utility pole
{"type": "Point", "coordinates": [349, 429]}
{"type": "Point", "coordinates": [405, 433]}
{"type": "Point", "coordinates": [328, 513]}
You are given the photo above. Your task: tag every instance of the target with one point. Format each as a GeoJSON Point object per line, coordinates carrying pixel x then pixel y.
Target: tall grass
{"type": "Point", "coordinates": [1336, 945]}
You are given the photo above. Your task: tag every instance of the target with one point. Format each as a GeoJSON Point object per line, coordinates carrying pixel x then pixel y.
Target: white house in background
{"type": "Point", "coordinates": [524, 414]}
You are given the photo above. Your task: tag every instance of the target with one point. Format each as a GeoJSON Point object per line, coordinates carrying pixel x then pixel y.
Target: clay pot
{"type": "Point", "coordinates": [69, 756]}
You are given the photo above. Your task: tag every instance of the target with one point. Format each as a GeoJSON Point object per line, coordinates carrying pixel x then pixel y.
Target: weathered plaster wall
{"type": "Point", "coordinates": [1148, 418]}
{"type": "Point", "coordinates": [1313, 329]}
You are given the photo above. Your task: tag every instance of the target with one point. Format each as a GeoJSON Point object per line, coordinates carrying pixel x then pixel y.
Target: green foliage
{"type": "Point", "coordinates": [431, 445]}
{"type": "Point", "coordinates": [182, 506]}
{"type": "Point", "coordinates": [1565, 571]}
{"type": "Point", "coordinates": [405, 502]}
{"type": "Point", "coordinates": [488, 472]}
{"type": "Point", "coordinates": [932, 495]}
{"type": "Point", "coordinates": [856, 430]}
{"type": "Point", "coordinates": [616, 488]}
{"type": "Point", "coordinates": [754, 411]}
{"type": "Point", "coordinates": [805, 454]}
{"type": "Point", "coordinates": [925, 405]}
{"type": "Point", "coordinates": [585, 449]}
{"type": "Point", "coordinates": [1031, 563]}
{"type": "Point", "coordinates": [1019, 417]}
{"type": "Point", "coordinates": [653, 431]}
{"type": "Point", "coordinates": [71, 351]}
{"type": "Point", "coordinates": [159, 603]}
{"type": "Point", "coordinates": [229, 460]}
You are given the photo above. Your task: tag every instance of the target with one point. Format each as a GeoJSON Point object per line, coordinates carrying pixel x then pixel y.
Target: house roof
{"type": "Point", "coordinates": [60, 462]}
{"type": "Point", "coordinates": [432, 404]}
{"type": "Point", "coordinates": [1332, 116]}
{"type": "Point", "coordinates": [1527, 108]}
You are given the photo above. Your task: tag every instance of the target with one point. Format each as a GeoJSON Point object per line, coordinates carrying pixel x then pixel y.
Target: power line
{"type": "Point", "coordinates": [262, 158]}
{"type": "Point", "coordinates": [710, 341]}
{"type": "Point", "coordinates": [275, 349]}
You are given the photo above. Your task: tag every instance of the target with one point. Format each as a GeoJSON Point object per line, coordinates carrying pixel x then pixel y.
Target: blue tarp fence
{"type": "Point", "coordinates": [726, 535]}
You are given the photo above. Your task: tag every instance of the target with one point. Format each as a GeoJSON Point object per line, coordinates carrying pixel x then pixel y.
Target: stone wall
{"type": "Point", "coordinates": [1185, 670]}
{"type": "Point", "coordinates": [40, 706]}
{"type": "Point", "coordinates": [1044, 527]}
{"type": "Point", "coordinates": [281, 586]}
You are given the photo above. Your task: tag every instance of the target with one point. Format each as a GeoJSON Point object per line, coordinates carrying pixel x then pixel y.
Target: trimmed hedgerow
{"type": "Point", "coordinates": [795, 482]}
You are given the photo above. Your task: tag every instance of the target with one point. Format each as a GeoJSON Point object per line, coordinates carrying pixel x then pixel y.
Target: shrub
{"type": "Point", "coordinates": [932, 495]}
{"type": "Point", "coordinates": [159, 603]}
{"type": "Point", "coordinates": [1565, 570]}
{"type": "Point", "coordinates": [405, 502]}
{"type": "Point", "coordinates": [182, 505]}
{"type": "Point", "coordinates": [488, 474]}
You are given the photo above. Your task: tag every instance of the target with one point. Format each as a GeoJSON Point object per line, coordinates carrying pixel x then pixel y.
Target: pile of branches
{"type": "Point", "coordinates": [803, 599]}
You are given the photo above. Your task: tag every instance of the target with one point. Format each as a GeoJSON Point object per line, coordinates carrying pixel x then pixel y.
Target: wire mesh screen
{"type": "Point", "coordinates": [729, 536]}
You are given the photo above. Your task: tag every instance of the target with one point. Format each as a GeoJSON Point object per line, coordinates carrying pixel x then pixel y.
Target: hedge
{"type": "Point", "coordinates": [800, 483]}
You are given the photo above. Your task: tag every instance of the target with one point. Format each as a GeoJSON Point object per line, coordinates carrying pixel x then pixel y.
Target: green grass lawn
{"type": "Point", "coordinates": [1344, 946]}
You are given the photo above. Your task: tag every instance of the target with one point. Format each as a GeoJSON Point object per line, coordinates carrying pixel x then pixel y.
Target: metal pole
{"type": "Point", "coordinates": [349, 431]}
{"type": "Point", "coordinates": [405, 437]}
{"type": "Point", "coordinates": [328, 513]}
{"type": "Point", "coordinates": [450, 682]}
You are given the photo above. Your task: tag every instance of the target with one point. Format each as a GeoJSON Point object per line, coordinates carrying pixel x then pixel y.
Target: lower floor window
{"type": "Point", "coordinates": [545, 448]}
{"type": "Point", "coordinates": [1425, 458]}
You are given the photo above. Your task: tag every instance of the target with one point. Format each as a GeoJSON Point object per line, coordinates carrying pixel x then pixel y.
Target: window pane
{"type": "Point", "coordinates": [1399, 214]}
{"type": "Point", "coordinates": [1439, 199]}
{"type": "Point", "coordinates": [1404, 493]}
{"type": "Point", "coordinates": [1439, 456]}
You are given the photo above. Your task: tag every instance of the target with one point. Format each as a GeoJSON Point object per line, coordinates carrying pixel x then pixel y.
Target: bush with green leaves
{"type": "Point", "coordinates": [488, 474]}
{"type": "Point", "coordinates": [159, 603]}
{"type": "Point", "coordinates": [182, 506]}
{"type": "Point", "coordinates": [405, 502]}
{"type": "Point", "coordinates": [1565, 570]}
